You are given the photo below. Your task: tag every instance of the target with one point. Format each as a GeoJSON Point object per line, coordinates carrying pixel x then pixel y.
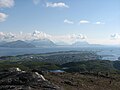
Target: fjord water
{"type": "Point", "coordinates": [108, 53]}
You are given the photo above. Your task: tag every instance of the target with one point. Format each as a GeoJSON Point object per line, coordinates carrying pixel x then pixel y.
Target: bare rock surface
{"type": "Point", "coordinates": [24, 80]}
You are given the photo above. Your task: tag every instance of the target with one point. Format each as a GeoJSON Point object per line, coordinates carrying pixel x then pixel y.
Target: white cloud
{"type": "Point", "coordinates": [36, 2]}
{"type": "Point", "coordinates": [3, 17]}
{"type": "Point", "coordinates": [9, 36]}
{"type": "Point", "coordinates": [1, 35]}
{"type": "Point", "coordinates": [6, 3]}
{"type": "Point", "coordinates": [70, 38]}
{"type": "Point", "coordinates": [40, 35]}
{"type": "Point", "coordinates": [114, 39]}
{"type": "Point", "coordinates": [105, 41]}
{"type": "Point", "coordinates": [84, 22]}
{"type": "Point", "coordinates": [98, 23]}
{"type": "Point", "coordinates": [68, 21]}
{"type": "Point", "coordinates": [80, 36]}
{"type": "Point", "coordinates": [24, 36]}
{"type": "Point", "coordinates": [115, 36]}
{"type": "Point", "coordinates": [59, 4]}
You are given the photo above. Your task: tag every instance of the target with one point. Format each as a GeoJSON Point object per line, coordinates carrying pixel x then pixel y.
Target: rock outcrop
{"type": "Point", "coordinates": [16, 79]}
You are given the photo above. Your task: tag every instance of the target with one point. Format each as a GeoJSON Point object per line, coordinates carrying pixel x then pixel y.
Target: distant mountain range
{"type": "Point", "coordinates": [28, 44]}
{"type": "Point", "coordinates": [85, 44]}
{"type": "Point", "coordinates": [43, 43]}
{"type": "Point", "coordinates": [17, 44]}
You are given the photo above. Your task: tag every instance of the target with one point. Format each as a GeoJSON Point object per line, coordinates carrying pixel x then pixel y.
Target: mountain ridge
{"type": "Point", "coordinates": [17, 44]}
{"type": "Point", "coordinates": [42, 42]}
{"type": "Point", "coordinates": [85, 44]}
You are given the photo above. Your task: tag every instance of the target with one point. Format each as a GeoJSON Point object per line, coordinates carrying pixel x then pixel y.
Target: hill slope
{"type": "Point", "coordinates": [17, 44]}
{"type": "Point", "coordinates": [42, 43]}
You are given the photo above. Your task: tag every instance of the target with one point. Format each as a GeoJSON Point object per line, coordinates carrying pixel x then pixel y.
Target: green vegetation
{"type": "Point", "coordinates": [83, 70]}
{"type": "Point", "coordinates": [56, 57]}
{"type": "Point", "coordinates": [92, 66]}
{"type": "Point", "coordinates": [27, 65]}
{"type": "Point", "coordinates": [74, 61]}
{"type": "Point", "coordinates": [116, 64]}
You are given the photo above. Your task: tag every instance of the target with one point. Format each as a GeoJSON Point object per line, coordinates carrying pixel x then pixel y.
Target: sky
{"type": "Point", "coordinates": [94, 21]}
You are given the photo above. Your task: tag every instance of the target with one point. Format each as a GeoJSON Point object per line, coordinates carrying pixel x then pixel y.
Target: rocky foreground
{"type": "Point", "coordinates": [15, 79]}
{"type": "Point", "coordinates": [85, 81]}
